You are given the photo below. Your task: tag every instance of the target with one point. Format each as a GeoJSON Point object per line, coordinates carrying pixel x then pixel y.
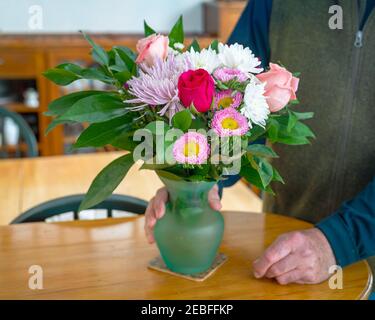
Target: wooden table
{"type": "Point", "coordinates": [25, 183]}
{"type": "Point", "coordinates": [108, 259]}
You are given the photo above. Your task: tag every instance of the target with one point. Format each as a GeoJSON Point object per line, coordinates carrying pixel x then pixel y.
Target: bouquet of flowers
{"type": "Point", "coordinates": [189, 113]}
{"type": "Point", "coordinates": [194, 115]}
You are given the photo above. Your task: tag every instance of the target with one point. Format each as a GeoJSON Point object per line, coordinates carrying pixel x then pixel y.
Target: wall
{"type": "Point", "coordinates": [117, 16]}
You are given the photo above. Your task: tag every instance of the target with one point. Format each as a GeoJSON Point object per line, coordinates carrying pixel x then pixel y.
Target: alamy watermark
{"type": "Point", "coordinates": [36, 278]}
{"type": "Point", "coordinates": [156, 147]}
{"type": "Point", "coordinates": [35, 21]}
{"type": "Point", "coordinates": [337, 279]}
{"type": "Point", "coordinates": [336, 21]}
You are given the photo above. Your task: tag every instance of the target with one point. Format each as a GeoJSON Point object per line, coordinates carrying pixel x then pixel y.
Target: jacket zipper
{"type": "Point", "coordinates": [339, 169]}
{"type": "Point", "coordinates": [358, 43]}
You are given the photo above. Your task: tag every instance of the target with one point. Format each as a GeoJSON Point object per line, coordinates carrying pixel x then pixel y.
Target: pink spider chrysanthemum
{"type": "Point", "coordinates": [226, 74]}
{"type": "Point", "coordinates": [157, 85]}
{"type": "Point", "coordinates": [191, 148]}
{"type": "Point", "coordinates": [229, 122]}
{"type": "Point", "coordinates": [226, 99]}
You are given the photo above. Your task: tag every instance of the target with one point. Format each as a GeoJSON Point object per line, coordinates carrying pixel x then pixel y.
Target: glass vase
{"type": "Point", "coordinates": [190, 232]}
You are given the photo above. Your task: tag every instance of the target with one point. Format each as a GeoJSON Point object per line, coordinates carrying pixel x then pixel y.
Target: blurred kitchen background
{"type": "Point", "coordinates": [38, 34]}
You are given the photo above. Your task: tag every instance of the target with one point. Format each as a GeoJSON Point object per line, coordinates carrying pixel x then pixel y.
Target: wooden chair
{"type": "Point", "coordinates": [26, 145]}
{"type": "Point", "coordinates": [71, 203]}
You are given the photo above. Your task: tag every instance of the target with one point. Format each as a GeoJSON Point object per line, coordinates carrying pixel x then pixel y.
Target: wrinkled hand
{"type": "Point", "coordinates": [301, 257]}
{"type": "Point", "coordinates": [156, 208]}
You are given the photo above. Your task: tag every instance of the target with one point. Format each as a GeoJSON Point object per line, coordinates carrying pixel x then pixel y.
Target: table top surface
{"type": "Point", "coordinates": [25, 183]}
{"type": "Point", "coordinates": [107, 259]}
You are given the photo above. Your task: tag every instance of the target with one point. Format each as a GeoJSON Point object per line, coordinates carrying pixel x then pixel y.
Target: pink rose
{"type": "Point", "coordinates": [196, 87]}
{"type": "Point", "coordinates": [280, 87]}
{"type": "Point", "coordinates": [151, 48]}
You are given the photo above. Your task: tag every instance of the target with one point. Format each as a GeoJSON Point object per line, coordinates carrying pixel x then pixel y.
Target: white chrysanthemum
{"type": "Point", "coordinates": [236, 56]}
{"type": "Point", "coordinates": [206, 59]}
{"type": "Point", "coordinates": [255, 105]}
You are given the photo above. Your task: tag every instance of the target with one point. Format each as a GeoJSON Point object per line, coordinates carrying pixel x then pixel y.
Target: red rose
{"type": "Point", "coordinates": [196, 87]}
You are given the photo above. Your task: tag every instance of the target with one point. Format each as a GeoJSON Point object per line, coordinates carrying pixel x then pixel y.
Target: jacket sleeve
{"type": "Point", "coordinates": [351, 229]}
{"type": "Point", "coordinates": [252, 31]}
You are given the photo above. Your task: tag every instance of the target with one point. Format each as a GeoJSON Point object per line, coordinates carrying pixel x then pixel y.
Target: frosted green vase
{"type": "Point", "coordinates": [189, 234]}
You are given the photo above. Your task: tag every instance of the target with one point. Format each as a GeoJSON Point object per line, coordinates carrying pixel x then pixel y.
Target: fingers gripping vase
{"type": "Point", "coordinates": [190, 232]}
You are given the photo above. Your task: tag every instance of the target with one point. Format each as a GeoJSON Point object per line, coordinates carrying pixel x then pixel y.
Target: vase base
{"type": "Point", "coordinates": [159, 265]}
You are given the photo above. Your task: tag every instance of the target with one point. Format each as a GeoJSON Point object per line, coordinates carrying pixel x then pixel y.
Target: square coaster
{"type": "Point", "coordinates": [159, 265]}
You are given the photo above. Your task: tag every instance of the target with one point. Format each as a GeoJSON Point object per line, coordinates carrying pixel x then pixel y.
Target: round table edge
{"type": "Point", "coordinates": [368, 289]}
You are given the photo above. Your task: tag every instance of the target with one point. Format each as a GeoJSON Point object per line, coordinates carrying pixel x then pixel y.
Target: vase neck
{"type": "Point", "coordinates": [188, 194]}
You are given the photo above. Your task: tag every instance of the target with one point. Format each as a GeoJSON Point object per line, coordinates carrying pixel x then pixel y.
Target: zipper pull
{"type": "Point", "coordinates": [358, 43]}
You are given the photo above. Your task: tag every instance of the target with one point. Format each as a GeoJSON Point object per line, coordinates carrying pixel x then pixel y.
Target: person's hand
{"type": "Point", "coordinates": [156, 208]}
{"type": "Point", "coordinates": [299, 257]}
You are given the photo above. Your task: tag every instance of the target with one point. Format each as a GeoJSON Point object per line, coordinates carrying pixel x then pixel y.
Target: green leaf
{"type": "Point", "coordinates": [197, 124]}
{"type": "Point", "coordinates": [103, 133]}
{"type": "Point", "coordinates": [269, 190]}
{"type": "Point", "coordinates": [298, 135]}
{"type": "Point", "coordinates": [265, 170]}
{"type": "Point", "coordinates": [98, 53]}
{"type": "Point", "coordinates": [182, 120]}
{"type": "Point", "coordinates": [292, 120]}
{"type": "Point", "coordinates": [177, 33]}
{"type": "Point", "coordinates": [125, 141]}
{"type": "Point", "coordinates": [120, 64]}
{"type": "Point", "coordinates": [107, 181]}
{"type": "Point", "coordinates": [273, 130]}
{"type": "Point", "coordinates": [148, 30]}
{"type": "Point", "coordinates": [60, 105]}
{"type": "Point", "coordinates": [261, 150]}
{"type": "Point", "coordinates": [256, 133]}
{"type": "Point", "coordinates": [60, 76]}
{"type": "Point", "coordinates": [123, 76]}
{"type": "Point", "coordinates": [168, 175]}
{"type": "Point", "coordinates": [70, 67]}
{"type": "Point", "coordinates": [252, 176]}
{"type": "Point", "coordinates": [55, 123]}
{"type": "Point", "coordinates": [95, 108]}
{"type": "Point", "coordinates": [303, 130]}
{"type": "Point", "coordinates": [277, 177]}
{"type": "Point", "coordinates": [117, 68]}
{"type": "Point", "coordinates": [127, 57]}
{"type": "Point", "coordinates": [66, 73]}
{"type": "Point", "coordinates": [156, 166]}
{"type": "Point", "coordinates": [293, 140]}
{"type": "Point", "coordinates": [215, 45]}
{"type": "Point", "coordinates": [303, 115]}
{"type": "Point", "coordinates": [195, 46]}
{"type": "Point", "coordinates": [96, 74]}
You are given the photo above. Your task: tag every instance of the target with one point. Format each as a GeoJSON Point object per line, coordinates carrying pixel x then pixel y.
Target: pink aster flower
{"type": "Point", "coordinates": [226, 99]}
{"type": "Point", "coordinates": [229, 122]}
{"type": "Point", "coordinates": [191, 148]}
{"type": "Point", "coordinates": [226, 74]}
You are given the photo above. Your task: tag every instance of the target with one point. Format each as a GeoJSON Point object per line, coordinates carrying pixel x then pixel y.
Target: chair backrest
{"type": "Point", "coordinates": [71, 204]}
{"type": "Point", "coordinates": [25, 143]}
